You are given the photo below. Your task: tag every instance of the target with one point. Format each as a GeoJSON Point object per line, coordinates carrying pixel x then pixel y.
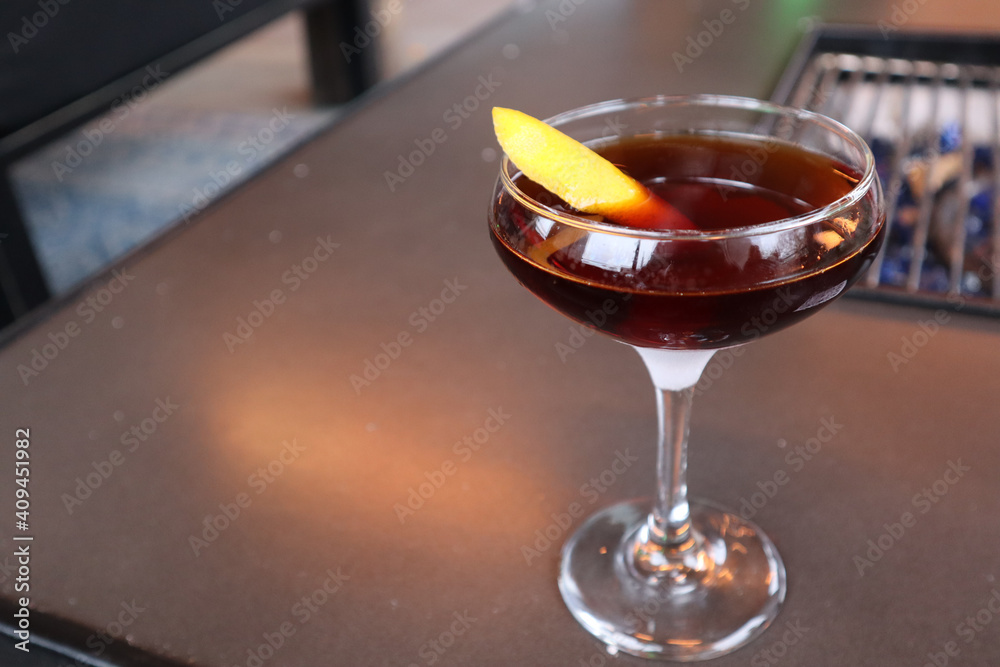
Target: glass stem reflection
{"type": "Point", "coordinates": [670, 520]}
{"type": "Point", "coordinates": [666, 547]}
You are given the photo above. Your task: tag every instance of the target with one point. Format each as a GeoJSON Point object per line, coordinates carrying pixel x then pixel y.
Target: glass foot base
{"type": "Point", "coordinates": [726, 589]}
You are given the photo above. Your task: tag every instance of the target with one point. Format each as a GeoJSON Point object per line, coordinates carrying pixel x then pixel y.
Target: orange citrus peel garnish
{"type": "Point", "coordinates": [579, 176]}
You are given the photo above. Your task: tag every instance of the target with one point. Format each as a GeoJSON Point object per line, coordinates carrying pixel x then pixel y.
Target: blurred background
{"type": "Point", "coordinates": [171, 149]}
{"type": "Point", "coordinates": [120, 121]}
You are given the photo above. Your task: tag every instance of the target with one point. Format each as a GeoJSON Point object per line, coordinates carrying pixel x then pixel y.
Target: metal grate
{"type": "Point", "coordinates": [934, 128]}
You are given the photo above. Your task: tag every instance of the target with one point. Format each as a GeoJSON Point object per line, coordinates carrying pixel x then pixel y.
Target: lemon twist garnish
{"type": "Point", "coordinates": [579, 176]}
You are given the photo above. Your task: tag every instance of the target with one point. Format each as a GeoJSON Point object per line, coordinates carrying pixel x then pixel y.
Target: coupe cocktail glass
{"type": "Point", "coordinates": [789, 214]}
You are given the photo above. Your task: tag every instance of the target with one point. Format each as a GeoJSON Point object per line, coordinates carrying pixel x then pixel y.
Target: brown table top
{"type": "Point", "coordinates": [174, 411]}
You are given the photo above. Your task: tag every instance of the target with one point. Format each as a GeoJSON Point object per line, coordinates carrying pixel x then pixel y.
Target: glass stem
{"type": "Point", "coordinates": [669, 522]}
{"type": "Point", "coordinates": [666, 546]}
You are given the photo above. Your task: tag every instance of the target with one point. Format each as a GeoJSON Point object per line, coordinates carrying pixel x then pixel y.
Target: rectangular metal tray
{"type": "Point", "coordinates": [929, 106]}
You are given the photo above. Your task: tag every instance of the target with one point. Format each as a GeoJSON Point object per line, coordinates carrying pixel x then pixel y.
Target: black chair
{"type": "Point", "coordinates": [65, 62]}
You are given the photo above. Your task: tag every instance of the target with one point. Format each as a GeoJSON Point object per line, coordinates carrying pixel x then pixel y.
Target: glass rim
{"type": "Point", "coordinates": [869, 177]}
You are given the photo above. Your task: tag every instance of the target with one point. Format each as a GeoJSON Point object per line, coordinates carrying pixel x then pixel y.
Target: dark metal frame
{"type": "Point", "coordinates": [961, 49]}
{"type": "Point", "coordinates": [335, 80]}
